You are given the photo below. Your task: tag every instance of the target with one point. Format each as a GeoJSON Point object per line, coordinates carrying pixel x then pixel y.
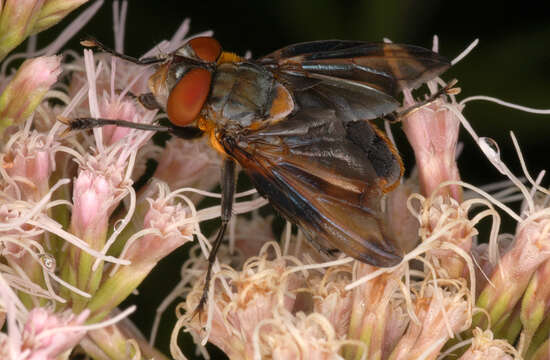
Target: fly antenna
{"type": "Point", "coordinates": [91, 42]}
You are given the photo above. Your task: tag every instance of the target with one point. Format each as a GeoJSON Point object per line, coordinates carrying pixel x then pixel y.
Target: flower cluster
{"type": "Point", "coordinates": [77, 238]}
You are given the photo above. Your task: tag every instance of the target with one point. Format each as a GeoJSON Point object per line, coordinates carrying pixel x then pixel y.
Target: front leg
{"type": "Point", "coordinates": [228, 179]}
{"type": "Point", "coordinates": [184, 132]}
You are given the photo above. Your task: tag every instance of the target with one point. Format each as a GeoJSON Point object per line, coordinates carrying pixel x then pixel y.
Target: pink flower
{"type": "Point", "coordinates": [439, 318]}
{"type": "Point", "coordinates": [120, 110]}
{"type": "Point", "coordinates": [29, 160]}
{"type": "Point", "coordinates": [511, 276]}
{"type": "Point", "coordinates": [370, 311]}
{"type": "Point", "coordinates": [304, 337]}
{"type": "Point", "coordinates": [47, 335]}
{"type": "Point", "coordinates": [331, 300]}
{"type": "Point", "coordinates": [445, 221]}
{"type": "Point", "coordinates": [94, 199]}
{"type": "Point", "coordinates": [250, 296]}
{"type": "Point", "coordinates": [485, 347]}
{"type": "Point", "coordinates": [432, 131]}
{"type": "Point", "coordinates": [165, 228]}
{"type": "Point", "coordinates": [27, 88]}
{"type": "Point", "coordinates": [170, 221]}
{"type": "Point", "coordinates": [21, 18]}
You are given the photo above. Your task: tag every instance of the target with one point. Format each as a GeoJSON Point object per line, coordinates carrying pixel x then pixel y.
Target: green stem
{"type": "Point", "coordinates": [117, 288]}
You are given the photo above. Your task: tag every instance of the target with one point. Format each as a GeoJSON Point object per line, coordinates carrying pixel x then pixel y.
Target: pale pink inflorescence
{"type": "Point", "coordinates": [297, 337]}
{"type": "Point", "coordinates": [54, 243]}
{"type": "Point", "coordinates": [512, 279]}
{"type": "Point", "coordinates": [484, 346]}
{"type": "Point", "coordinates": [28, 161]}
{"type": "Point", "coordinates": [170, 221]}
{"type": "Point", "coordinates": [47, 334]}
{"type": "Point", "coordinates": [76, 239]}
{"type": "Point", "coordinates": [445, 222]}
{"type": "Point", "coordinates": [441, 312]}
{"type": "Point", "coordinates": [330, 298]}
{"type": "Point", "coordinates": [243, 299]}
{"type": "Point", "coordinates": [39, 334]}
{"type": "Point", "coordinates": [371, 306]}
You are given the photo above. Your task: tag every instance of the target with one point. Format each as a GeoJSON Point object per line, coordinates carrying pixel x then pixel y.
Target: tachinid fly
{"type": "Point", "coordinates": [298, 123]}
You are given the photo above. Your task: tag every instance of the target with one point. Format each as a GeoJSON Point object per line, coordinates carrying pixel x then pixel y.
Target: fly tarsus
{"type": "Point", "coordinates": [228, 178]}
{"type": "Point", "coordinates": [92, 42]}
{"type": "Point", "coordinates": [84, 123]}
{"type": "Point", "coordinates": [449, 89]}
{"type": "Point", "coordinates": [211, 260]}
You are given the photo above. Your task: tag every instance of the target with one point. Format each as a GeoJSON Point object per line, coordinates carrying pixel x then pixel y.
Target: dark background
{"type": "Point", "coordinates": [511, 62]}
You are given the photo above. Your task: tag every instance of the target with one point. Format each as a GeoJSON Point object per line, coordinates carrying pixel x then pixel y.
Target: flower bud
{"type": "Point", "coordinates": [53, 11]}
{"type": "Point", "coordinates": [27, 88]}
{"type": "Point", "coordinates": [22, 18]}
{"type": "Point", "coordinates": [167, 228]}
{"type": "Point", "coordinates": [17, 21]}
{"type": "Point", "coordinates": [432, 131]}
{"type": "Point", "coordinates": [515, 269]}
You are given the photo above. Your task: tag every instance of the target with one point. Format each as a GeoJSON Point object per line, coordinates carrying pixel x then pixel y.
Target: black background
{"type": "Point", "coordinates": [511, 62]}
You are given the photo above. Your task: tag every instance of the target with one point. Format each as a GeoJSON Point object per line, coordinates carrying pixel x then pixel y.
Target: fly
{"type": "Point", "coordinates": [298, 123]}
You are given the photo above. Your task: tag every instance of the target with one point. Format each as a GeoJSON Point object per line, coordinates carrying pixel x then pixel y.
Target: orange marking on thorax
{"type": "Point", "coordinates": [282, 104]}
{"type": "Point", "coordinates": [229, 57]}
{"type": "Point", "coordinates": [210, 129]}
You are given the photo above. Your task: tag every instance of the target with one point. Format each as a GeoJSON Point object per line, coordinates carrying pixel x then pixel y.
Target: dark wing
{"type": "Point", "coordinates": [327, 176]}
{"type": "Point", "coordinates": [360, 80]}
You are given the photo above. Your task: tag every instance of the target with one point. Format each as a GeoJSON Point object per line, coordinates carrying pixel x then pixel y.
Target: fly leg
{"type": "Point", "coordinates": [449, 89]}
{"type": "Point", "coordinates": [184, 132]}
{"type": "Point", "coordinates": [228, 192]}
{"type": "Point", "coordinates": [94, 43]}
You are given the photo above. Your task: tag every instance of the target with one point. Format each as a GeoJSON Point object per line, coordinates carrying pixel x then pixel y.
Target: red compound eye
{"type": "Point", "coordinates": [188, 96]}
{"type": "Point", "coordinates": [206, 48]}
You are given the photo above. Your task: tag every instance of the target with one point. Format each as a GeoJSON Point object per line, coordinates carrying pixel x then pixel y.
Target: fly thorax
{"type": "Point", "coordinates": [248, 95]}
